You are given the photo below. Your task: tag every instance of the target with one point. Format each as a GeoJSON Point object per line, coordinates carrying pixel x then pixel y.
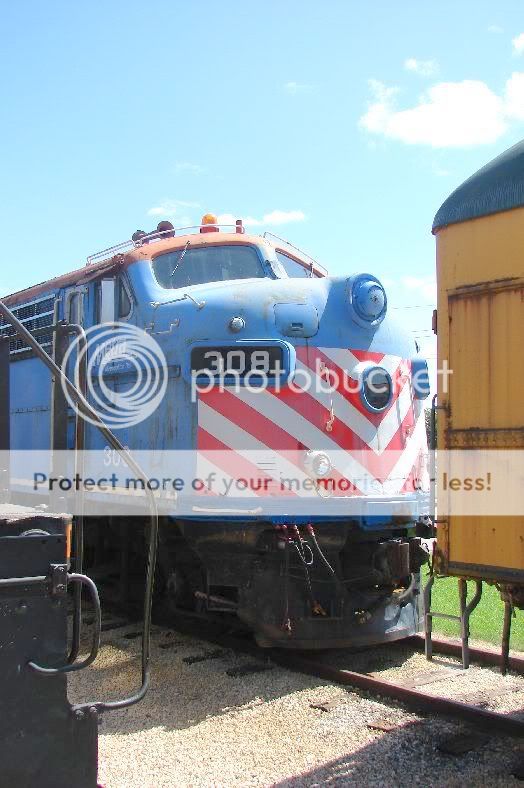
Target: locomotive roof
{"type": "Point", "coordinates": [149, 251]}
{"type": "Point", "coordinates": [496, 187]}
{"type": "Point", "coordinates": [145, 251]}
{"type": "Point", "coordinates": [77, 277]}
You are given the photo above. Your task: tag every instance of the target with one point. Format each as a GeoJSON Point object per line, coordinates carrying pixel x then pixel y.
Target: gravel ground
{"type": "Point", "coordinates": [200, 726]}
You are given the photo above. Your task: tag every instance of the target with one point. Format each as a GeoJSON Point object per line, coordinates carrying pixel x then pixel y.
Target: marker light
{"type": "Point", "coordinates": [209, 218]}
{"type": "Point", "coordinates": [208, 223]}
{"type": "Point", "coordinates": [317, 464]}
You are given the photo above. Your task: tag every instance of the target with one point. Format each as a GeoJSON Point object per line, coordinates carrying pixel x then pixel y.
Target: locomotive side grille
{"type": "Point", "coordinates": [35, 315]}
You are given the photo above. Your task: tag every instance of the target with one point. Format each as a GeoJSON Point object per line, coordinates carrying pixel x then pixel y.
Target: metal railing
{"type": "Point", "coordinates": [87, 411]}
{"type": "Point", "coordinates": [155, 235]}
{"type": "Point", "coordinates": [160, 235]}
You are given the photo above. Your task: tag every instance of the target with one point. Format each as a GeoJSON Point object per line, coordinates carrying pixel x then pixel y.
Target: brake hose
{"type": "Point", "coordinates": [338, 582]}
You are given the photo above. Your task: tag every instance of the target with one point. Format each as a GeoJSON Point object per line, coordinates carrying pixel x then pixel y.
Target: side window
{"type": "Point", "coordinates": [124, 299]}
{"type": "Point", "coordinates": [292, 268]}
{"type": "Point", "coordinates": [113, 300]}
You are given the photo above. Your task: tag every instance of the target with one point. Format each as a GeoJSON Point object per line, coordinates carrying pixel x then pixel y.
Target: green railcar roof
{"type": "Point", "coordinates": [496, 187]}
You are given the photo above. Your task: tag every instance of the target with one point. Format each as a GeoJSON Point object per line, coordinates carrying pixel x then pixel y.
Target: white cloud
{"type": "Point", "coordinates": [189, 167]}
{"type": "Point", "coordinates": [177, 209]}
{"type": "Point", "coordinates": [495, 29]}
{"type": "Point", "coordinates": [426, 68]}
{"type": "Point", "coordinates": [273, 218]}
{"type": "Point", "coordinates": [297, 87]}
{"type": "Point", "coordinates": [514, 96]}
{"type": "Point", "coordinates": [518, 44]}
{"type": "Point", "coordinates": [171, 208]}
{"type": "Point", "coordinates": [448, 114]}
{"type": "Point", "coordinates": [283, 217]}
{"type": "Point", "coordinates": [426, 285]}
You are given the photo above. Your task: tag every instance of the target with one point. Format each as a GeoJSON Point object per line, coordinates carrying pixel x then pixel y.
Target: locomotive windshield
{"type": "Point", "coordinates": [293, 268]}
{"type": "Point", "coordinates": [195, 266]}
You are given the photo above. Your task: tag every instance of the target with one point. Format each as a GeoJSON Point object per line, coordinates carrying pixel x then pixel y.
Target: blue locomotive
{"type": "Point", "coordinates": [332, 559]}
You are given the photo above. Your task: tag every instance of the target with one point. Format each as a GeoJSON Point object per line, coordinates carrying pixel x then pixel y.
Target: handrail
{"type": "Point", "coordinates": [155, 235]}
{"type": "Point", "coordinates": [85, 409]}
{"type": "Point", "coordinates": [72, 666]}
{"type": "Point", "coordinates": [160, 235]}
{"type": "Point", "coordinates": [80, 379]}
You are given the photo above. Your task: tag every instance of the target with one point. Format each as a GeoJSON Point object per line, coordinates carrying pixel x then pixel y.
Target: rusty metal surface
{"type": "Point", "coordinates": [480, 282]}
{"type": "Point", "coordinates": [486, 330]}
{"type": "Point", "coordinates": [119, 262]}
{"type": "Point", "coordinates": [78, 276]}
{"type": "Point", "coordinates": [478, 438]}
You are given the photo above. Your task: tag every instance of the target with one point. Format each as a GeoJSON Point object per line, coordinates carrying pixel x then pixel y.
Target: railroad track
{"type": "Point", "coordinates": [409, 693]}
{"type": "Point", "coordinates": [411, 696]}
{"type": "Point", "coordinates": [218, 689]}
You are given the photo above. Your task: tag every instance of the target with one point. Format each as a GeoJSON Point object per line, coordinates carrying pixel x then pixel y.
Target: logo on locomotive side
{"type": "Point", "coordinates": [126, 373]}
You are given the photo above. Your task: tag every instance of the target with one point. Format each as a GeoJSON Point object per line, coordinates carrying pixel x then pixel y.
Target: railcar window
{"type": "Point", "coordinates": [292, 268]}
{"type": "Point", "coordinates": [207, 264]}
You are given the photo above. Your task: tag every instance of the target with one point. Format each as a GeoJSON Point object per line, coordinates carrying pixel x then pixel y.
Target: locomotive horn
{"type": "Point", "coordinates": [165, 227]}
{"type": "Point", "coordinates": [138, 235]}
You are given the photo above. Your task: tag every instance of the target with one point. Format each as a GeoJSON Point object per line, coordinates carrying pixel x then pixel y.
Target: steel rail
{"type": "Point", "coordinates": [492, 720]}
{"type": "Point", "coordinates": [423, 702]}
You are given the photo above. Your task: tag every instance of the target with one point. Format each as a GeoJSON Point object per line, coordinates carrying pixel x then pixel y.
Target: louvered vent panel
{"type": "Point", "coordinates": [35, 316]}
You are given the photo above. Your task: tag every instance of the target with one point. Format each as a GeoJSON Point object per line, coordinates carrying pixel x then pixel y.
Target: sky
{"type": "Point", "coordinates": [341, 126]}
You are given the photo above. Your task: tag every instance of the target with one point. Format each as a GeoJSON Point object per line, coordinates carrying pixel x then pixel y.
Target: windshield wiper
{"type": "Point", "coordinates": [184, 250]}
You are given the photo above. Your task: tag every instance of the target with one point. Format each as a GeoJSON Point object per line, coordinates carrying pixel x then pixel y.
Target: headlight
{"type": "Point", "coordinates": [368, 300]}
{"type": "Point", "coordinates": [376, 389]}
{"type": "Point", "coordinates": [317, 464]}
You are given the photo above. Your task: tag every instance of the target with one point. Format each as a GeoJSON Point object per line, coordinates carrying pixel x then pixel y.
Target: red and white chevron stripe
{"type": "Point", "coordinates": [264, 434]}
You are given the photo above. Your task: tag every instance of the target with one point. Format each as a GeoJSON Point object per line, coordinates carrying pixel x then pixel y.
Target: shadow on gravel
{"type": "Point", "coordinates": [409, 755]}
{"type": "Point", "coordinates": [191, 681]}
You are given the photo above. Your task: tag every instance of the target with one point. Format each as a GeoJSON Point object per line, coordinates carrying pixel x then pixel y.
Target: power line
{"type": "Point", "coordinates": [416, 306]}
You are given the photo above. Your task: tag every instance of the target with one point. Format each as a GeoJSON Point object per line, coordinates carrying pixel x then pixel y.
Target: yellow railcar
{"type": "Point", "coordinates": [480, 279]}
{"type": "Point", "coordinates": [480, 332]}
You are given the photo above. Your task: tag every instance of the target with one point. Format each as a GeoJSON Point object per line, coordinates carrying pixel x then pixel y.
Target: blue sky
{"type": "Point", "coordinates": [346, 124]}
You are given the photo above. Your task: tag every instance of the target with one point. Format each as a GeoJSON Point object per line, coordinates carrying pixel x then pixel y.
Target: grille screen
{"type": "Point", "coordinates": [35, 316]}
